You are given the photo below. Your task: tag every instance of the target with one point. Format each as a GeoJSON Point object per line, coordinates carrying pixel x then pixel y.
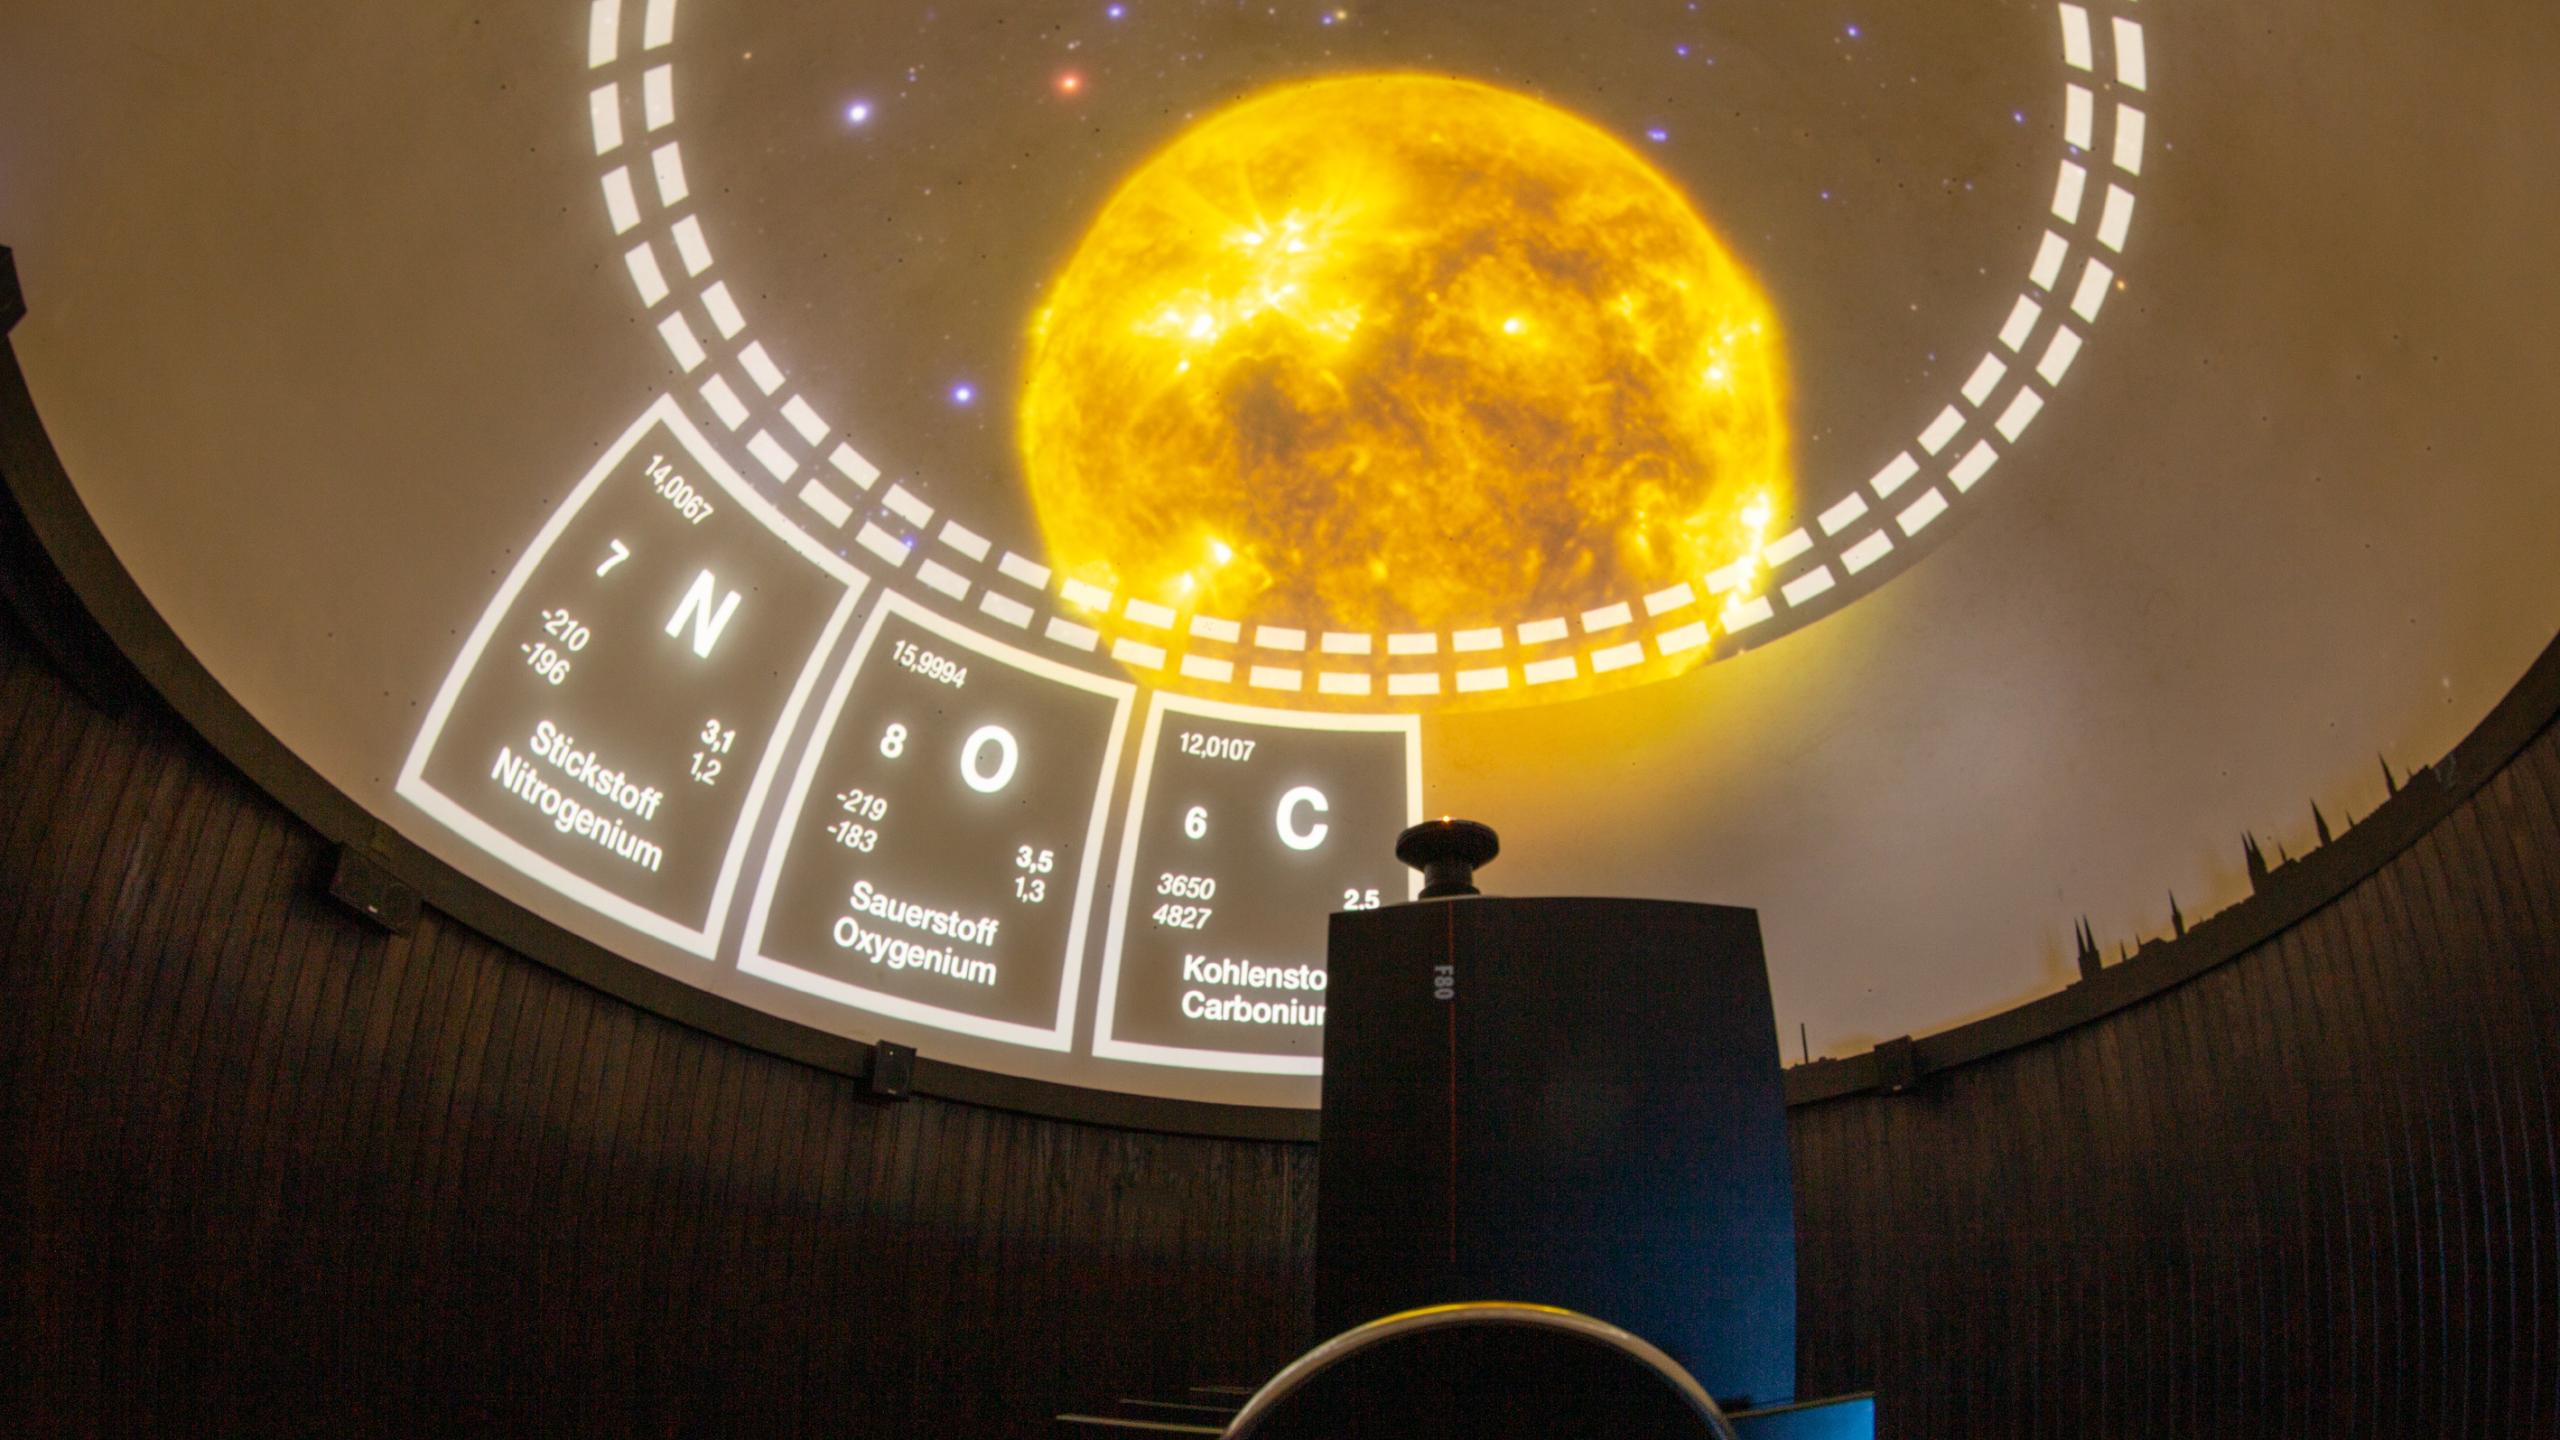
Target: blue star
{"type": "Point", "coordinates": [962, 394]}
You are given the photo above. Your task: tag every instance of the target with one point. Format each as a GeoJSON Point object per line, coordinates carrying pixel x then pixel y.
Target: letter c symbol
{"type": "Point", "coordinates": [1290, 834]}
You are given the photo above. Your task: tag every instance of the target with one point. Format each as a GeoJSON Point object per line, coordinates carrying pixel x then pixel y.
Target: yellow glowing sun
{"type": "Point", "coordinates": [1401, 352]}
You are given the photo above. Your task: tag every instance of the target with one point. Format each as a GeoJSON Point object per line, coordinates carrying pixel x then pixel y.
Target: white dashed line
{"type": "Point", "coordinates": [2022, 323]}
{"type": "Point", "coordinates": [604, 112]}
{"type": "Point", "coordinates": [1672, 598]}
{"type": "Point", "coordinates": [760, 367]}
{"type": "Point", "coordinates": [669, 167]}
{"type": "Point", "coordinates": [2076, 49]}
{"type": "Point", "coordinates": [770, 454]}
{"type": "Point", "coordinates": [830, 506]}
{"type": "Point", "coordinates": [1986, 378]}
{"type": "Point", "coordinates": [2059, 355]}
{"type": "Point", "coordinates": [1920, 512]}
{"type": "Point", "coordinates": [643, 263]}
{"type": "Point", "coordinates": [1891, 478]}
{"type": "Point", "coordinates": [1617, 657]}
{"type": "Point", "coordinates": [1742, 615]}
{"type": "Point", "coordinates": [724, 402]}
{"type": "Point", "coordinates": [883, 544]}
{"type": "Point", "coordinates": [805, 419]}
{"type": "Point", "coordinates": [1681, 639]}
{"type": "Point", "coordinates": [723, 310]}
{"type": "Point", "coordinates": [1132, 652]}
{"type": "Point", "coordinates": [2068, 186]}
{"type": "Point", "coordinates": [690, 246]}
{"type": "Point", "coordinates": [2079, 116]}
{"type": "Point", "coordinates": [660, 26]}
{"type": "Point", "coordinates": [1726, 577]}
{"type": "Point", "coordinates": [907, 505]}
{"type": "Point", "coordinates": [1976, 462]}
{"type": "Point", "coordinates": [963, 539]}
{"type": "Point", "coordinates": [954, 584]}
{"type": "Point", "coordinates": [2131, 68]}
{"type": "Point", "coordinates": [2093, 289]}
{"type": "Point", "coordinates": [2049, 257]}
{"type": "Point", "coordinates": [1845, 514]}
{"type": "Point", "coordinates": [678, 333]}
{"type": "Point", "coordinates": [620, 205]}
{"type": "Point", "coordinates": [658, 97]}
{"type": "Point", "coordinates": [2022, 410]}
{"type": "Point", "coordinates": [2129, 125]}
{"type": "Point", "coordinates": [604, 32]}
{"type": "Point", "coordinates": [1804, 587]}
{"type": "Point", "coordinates": [2117, 219]}
{"type": "Point", "coordinates": [850, 464]}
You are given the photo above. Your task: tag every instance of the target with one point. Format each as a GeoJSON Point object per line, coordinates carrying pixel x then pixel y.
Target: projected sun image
{"type": "Point", "coordinates": [1401, 352]}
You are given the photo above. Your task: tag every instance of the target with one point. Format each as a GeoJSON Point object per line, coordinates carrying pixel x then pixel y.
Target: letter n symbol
{"type": "Point", "coordinates": [697, 606]}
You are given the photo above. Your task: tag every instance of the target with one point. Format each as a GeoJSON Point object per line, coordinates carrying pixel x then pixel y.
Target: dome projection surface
{"type": "Point", "coordinates": [976, 524]}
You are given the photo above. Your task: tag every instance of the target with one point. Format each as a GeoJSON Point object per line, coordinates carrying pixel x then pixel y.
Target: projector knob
{"type": "Point", "coordinates": [1447, 853]}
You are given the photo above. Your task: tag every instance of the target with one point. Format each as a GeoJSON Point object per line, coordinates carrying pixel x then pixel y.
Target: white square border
{"type": "Point", "coordinates": [1107, 1048]}
{"type": "Point", "coordinates": [752, 960]}
{"type": "Point", "coordinates": [522, 858]}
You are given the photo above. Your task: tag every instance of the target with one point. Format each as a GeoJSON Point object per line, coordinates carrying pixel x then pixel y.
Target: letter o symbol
{"type": "Point", "coordinates": [1008, 755]}
{"type": "Point", "coordinates": [1290, 834]}
{"type": "Point", "coordinates": [847, 932]}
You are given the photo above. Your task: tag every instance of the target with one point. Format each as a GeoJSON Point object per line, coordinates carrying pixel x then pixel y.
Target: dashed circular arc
{"type": "Point", "coordinates": [1847, 548]}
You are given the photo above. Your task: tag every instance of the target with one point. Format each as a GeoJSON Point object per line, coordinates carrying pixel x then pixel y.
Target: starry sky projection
{"type": "Point", "coordinates": [900, 183]}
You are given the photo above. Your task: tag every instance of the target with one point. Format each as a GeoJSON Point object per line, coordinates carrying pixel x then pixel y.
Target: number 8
{"type": "Point", "coordinates": [893, 743]}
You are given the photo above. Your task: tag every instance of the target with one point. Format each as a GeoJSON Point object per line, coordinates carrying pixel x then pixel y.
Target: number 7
{"type": "Point", "coordinates": [621, 552]}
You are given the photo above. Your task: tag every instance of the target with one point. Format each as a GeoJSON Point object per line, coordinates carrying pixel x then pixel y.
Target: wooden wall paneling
{"type": "Point", "coordinates": [2312, 1188]}
{"type": "Point", "coordinates": [266, 1170]}
{"type": "Point", "coordinates": [281, 1173]}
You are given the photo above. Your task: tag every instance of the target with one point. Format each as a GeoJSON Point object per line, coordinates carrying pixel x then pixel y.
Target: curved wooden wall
{"type": "Point", "coordinates": [2313, 1192]}
{"type": "Point", "coordinates": [264, 1171]}
{"type": "Point", "coordinates": [270, 1172]}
